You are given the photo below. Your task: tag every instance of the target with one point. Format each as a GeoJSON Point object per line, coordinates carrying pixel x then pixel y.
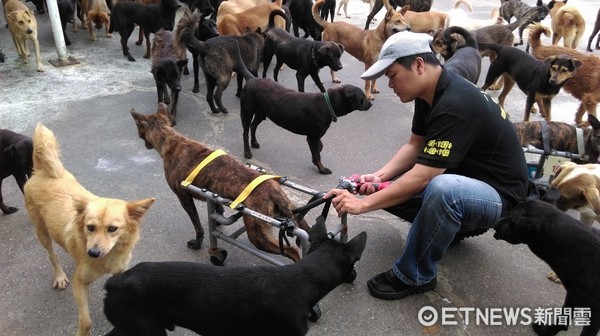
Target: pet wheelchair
{"type": "Point", "coordinates": [287, 228]}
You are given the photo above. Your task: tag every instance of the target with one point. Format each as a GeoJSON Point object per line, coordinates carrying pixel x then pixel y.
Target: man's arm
{"type": "Point", "coordinates": [403, 160]}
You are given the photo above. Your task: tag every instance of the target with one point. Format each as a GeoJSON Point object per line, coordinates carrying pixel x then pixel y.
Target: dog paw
{"type": "Point", "coordinates": [61, 281]}
{"type": "Point", "coordinates": [248, 155]}
{"type": "Point", "coordinates": [40, 68]}
{"type": "Point", "coordinates": [255, 144]}
{"type": "Point", "coordinates": [194, 244]}
{"type": "Point", "coordinates": [92, 38]}
{"type": "Point", "coordinates": [325, 171]}
{"type": "Point", "coordinates": [109, 35]}
{"type": "Point", "coordinates": [8, 210]}
{"type": "Point", "coordinates": [336, 80]}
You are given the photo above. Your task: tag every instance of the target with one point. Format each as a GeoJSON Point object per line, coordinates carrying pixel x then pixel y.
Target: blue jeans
{"type": "Point", "coordinates": [449, 204]}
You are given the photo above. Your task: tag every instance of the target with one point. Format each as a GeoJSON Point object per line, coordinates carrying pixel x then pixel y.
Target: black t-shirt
{"type": "Point", "coordinates": [470, 135]}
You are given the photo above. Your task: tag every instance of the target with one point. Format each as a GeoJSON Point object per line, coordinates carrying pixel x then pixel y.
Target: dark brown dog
{"type": "Point", "coordinates": [305, 56]}
{"type": "Point", "coordinates": [539, 80]}
{"type": "Point", "coordinates": [585, 84]}
{"type": "Point", "coordinates": [225, 176]}
{"type": "Point", "coordinates": [364, 45]}
{"type": "Point", "coordinates": [562, 136]}
{"type": "Point", "coordinates": [594, 33]}
{"type": "Point", "coordinates": [497, 34]}
{"type": "Point", "coordinates": [302, 113]}
{"type": "Point", "coordinates": [168, 61]}
{"type": "Point", "coordinates": [15, 159]}
{"type": "Point", "coordinates": [524, 13]}
{"type": "Point", "coordinates": [461, 54]}
{"type": "Point", "coordinates": [217, 58]}
{"type": "Point", "coordinates": [568, 246]}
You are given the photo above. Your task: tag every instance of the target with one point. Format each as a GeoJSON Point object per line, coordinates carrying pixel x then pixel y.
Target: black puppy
{"type": "Point", "coordinates": [571, 249]}
{"type": "Point", "coordinates": [305, 56]}
{"type": "Point", "coordinates": [16, 152]}
{"type": "Point", "coordinates": [302, 113]}
{"type": "Point", "coordinates": [151, 18]}
{"type": "Point", "coordinates": [218, 61]}
{"type": "Point", "coordinates": [209, 300]}
{"type": "Point", "coordinates": [539, 80]}
{"type": "Point", "coordinates": [461, 55]}
{"type": "Point", "coordinates": [168, 62]}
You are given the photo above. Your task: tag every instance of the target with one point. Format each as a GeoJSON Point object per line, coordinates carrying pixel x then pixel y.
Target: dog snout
{"type": "Point", "coordinates": [29, 31]}
{"type": "Point", "coordinates": [94, 252]}
{"type": "Point", "coordinates": [177, 88]}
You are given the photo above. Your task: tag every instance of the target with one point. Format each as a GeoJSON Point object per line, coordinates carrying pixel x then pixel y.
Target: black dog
{"type": "Point", "coordinates": [302, 113]}
{"type": "Point", "coordinates": [594, 33]}
{"type": "Point", "coordinates": [302, 18]}
{"type": "Point", "coordinates": [539, 80]}
{"type": "Point", "coordinates": [415, 6]}
{"type": "Point", "coordinates": [207, 28]}
{"type": "Point", "coordinates": [460, 57]}
{"type": "Point", "coordinates": [66, 12]}
{"type": "Point", "coordinates": [218, 61]}
{"type": "Point", "coordinates": [16, 159]}
{"type": "Point", "coordinates": [209, 300]}
{"type": "Point", "coordinates": [305, 56]}
{"type": "Point", "coordinates": [151, 18]}
{"type": "Point", "coordinates": [328, 9]}
{"type": "Point", "coordinates": [168, 61]}
{"type": "Point", "coordinates": [524, 14]}
{"type": "Point", "coordinates": [571, 249]}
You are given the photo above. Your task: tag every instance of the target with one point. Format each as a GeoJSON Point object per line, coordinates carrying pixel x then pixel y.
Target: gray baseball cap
{"type": "Point", "coordinates": [401, 44]}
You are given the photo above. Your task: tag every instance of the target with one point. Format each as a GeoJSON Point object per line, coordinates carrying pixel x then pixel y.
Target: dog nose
{"type": "Point", "coordinates": [29, 31]}
{"type": "Point", "coordinates": [94, 253]}
{"type": "Point", "coordinates": [177, 88]}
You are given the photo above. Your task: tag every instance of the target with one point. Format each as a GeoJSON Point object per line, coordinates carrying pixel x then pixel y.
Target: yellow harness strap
{"type": "Point", "coordinates": [246, 192]}
{"type": "Point", "coordinates": [199, 167]}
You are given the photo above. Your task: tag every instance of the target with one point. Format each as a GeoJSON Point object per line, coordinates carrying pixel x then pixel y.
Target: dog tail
{"type": "Point", "coordinates": [184, 35]}
{"type": "Point", "coordinates": [240, 66]}
{"type": "Point", "coordinates": [490, 46]}
{"type": "Point", "coordinates": [46, 154]}
{"type": "Point", "coordinates": [279, 12]}
{"type": "Point", "coordinates": [317, 16]}
{"type": "Point", "coordinates": [467, 4]}
{"type": "Point", "coordinates": [470, 40]}
{"type": "Point", "coordinates": [535, 31]}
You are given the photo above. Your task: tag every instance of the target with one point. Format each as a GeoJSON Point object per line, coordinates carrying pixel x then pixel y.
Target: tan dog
{"type": "Point", "coordinates": [364, 45]}
{"type": "Point", "coordinates": [256, 17]}
{"type": "Point", "coordinates": [235, 6]}
{"type": "Point", "coordinates": [98, 233]}
{"type": "Point", "coordinates": [97, 13]}
{"type": "Point", "coordinates": [585, 85]}
{"type": "Point", "coordinates": [568, 24]}
{"type": "Point", "coordinates": [425, 22]}
{"type": "Point", "coordinates": [579, 187]}
{"type": "Point", "coordinates": [23, 26]}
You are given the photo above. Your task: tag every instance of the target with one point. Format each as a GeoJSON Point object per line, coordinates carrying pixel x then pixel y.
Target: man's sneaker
{"type": "Point", "coordinates": [387, 286]}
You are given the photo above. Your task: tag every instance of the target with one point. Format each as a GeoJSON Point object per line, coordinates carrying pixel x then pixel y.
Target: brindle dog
{"type": "Point", "coordinates": [225, 176]}
{"type": "Point", "coordinates": [562, 136]}
{"type": "Point", "coordinates": [524, 14]}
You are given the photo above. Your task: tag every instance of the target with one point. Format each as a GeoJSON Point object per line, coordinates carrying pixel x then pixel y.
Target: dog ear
{"type": "Point", "coordinates": [139, 118]}
{"type": "Point", "coordinates": [404, 9]}
{"type": "Point", "coordinates": [163, 113]}
{"type": "Point", "coordinates": [576, 63]}
{"type": "Point", "coordinates": [80, 204]}
{"type": "Point", "coordinates": [341, 47]}
{"type": "Point", "coordinates": [318, 232]}
{"type": "Point", "coordinates": [10, 150]}
{"type": "Point", "coordinates": [357, 245]}
{"type": "Point", "coordinates": [593, 122]}
{"type": "Point", "coordinates": [137, 209]}
{"type": "Point", "coordinates": [12, 15]}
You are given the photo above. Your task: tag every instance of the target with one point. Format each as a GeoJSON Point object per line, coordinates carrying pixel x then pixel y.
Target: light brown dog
{"type": "Point", "coordinates": [98, 14]}
{"type": "Point", "coordinates": [364, 45]}
{"type": "Point", "coordinates": [425, 22]}
{"type": "Point", "coordinates": [225, 176]}
{"type": "Point", "coordinates": [98, 233]}
{"type": "Point", "coordinates": [235, 6]}
{"type": "Point", "coordinates": [579, 187]}
{"type": "Point", "coordinates": [23, 26]}
{"type": "Point", "coordinates": [584, 85]}
{"type": "Point", "coordinates": [253, 18]}
{"type": "Point", "coordinates": [568, 24]}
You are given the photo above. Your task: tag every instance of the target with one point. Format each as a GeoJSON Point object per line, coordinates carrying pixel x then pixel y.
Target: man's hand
{"type": "Point", "coordinates": [344, 202]}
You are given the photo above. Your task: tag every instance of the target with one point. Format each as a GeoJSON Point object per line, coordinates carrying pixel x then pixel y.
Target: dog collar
{"type": "Point", "coordinates": [199, 167]}
{"type": "Point", "coordinates": [331, 111]}
{"type": "Point", "coordinates": [312, 55]}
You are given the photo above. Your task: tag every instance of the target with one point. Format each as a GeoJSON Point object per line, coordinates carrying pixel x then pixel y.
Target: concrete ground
{"type": "Point", "coordinates": [87, 106]}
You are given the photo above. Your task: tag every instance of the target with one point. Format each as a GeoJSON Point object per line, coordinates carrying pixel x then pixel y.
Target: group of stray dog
{"type": "Point", "coordinates": [100, 233]}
